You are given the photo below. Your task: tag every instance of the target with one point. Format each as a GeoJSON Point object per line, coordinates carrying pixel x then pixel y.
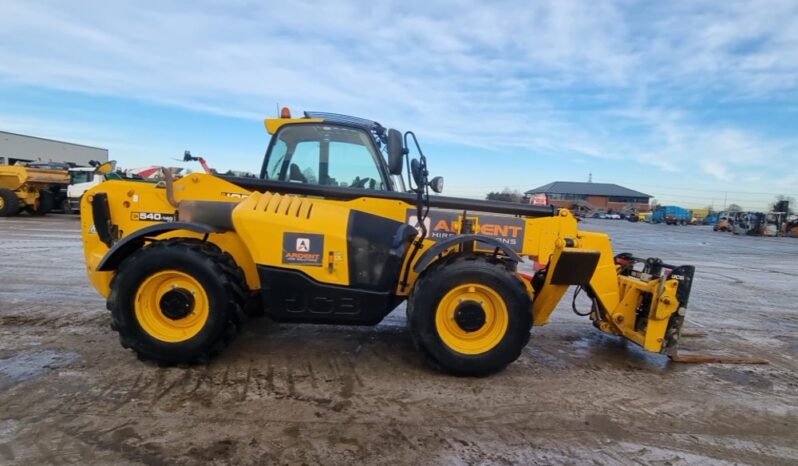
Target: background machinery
{"type": "Point", "coordinates": [331, 232]}
{"type": "Point", "coordinates": [36, 188]}
{"type": "Point", "coordinates": [81, 179]}
{"type": "Point", "coordinates": [671, 215]}
{"type": "Point", "coordinates": [187, 157]}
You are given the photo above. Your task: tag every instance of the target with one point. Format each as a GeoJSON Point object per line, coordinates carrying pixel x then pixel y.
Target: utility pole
{"type": "Point", "coordinates": [590, 177]}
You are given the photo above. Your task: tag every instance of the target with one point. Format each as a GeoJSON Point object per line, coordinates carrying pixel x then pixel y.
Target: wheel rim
{"type": "Point", "coordinates": [461, 326]}
{"type": "Point", "coordinates": [171, 306]}
{"type": "Point", "coordinates": [2, 202]}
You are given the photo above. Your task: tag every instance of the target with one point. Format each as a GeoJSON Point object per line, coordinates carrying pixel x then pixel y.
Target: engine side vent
{"type": "Point", "coordinates": [288, 205]}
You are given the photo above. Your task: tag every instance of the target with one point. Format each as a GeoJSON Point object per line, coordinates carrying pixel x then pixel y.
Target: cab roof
{"type": "Point", "coordinates": [273, 124]}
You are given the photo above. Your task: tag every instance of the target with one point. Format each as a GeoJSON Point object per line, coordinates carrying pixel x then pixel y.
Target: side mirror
{"type": "Point", "coordinates": [396, 152]}
{"type": "Point", "coordinates": [436, 184]}
{"type": "Point", "coordinates": [106, 168]}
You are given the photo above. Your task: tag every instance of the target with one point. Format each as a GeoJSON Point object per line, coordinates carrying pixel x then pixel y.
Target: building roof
{"type": "Point", "coordinates": [587, 189]}
{"type": "Point", "coordinates": [52, 140]}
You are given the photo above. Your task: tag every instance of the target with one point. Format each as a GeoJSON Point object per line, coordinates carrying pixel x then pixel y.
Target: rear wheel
{"type": "Point", "coordinates": [9, 203]}
{"type": "Point", "coordinates": [177, 301]}
{"type": "Point", "coordinates": [470, 315]}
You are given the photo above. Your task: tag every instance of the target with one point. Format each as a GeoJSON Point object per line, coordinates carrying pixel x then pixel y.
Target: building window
{"type": "Point", "coordinates": [566, 197]}
{"type": "Point", "coordinates": [633, 200]}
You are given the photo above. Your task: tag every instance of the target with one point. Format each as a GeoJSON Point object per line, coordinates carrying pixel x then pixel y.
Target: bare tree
{"type": "Point", "coordinates": [779, 204]}
{"type": "Point", "coordinates": [654, 203]}
{"type": "Point", "coordinates": [505, 195]}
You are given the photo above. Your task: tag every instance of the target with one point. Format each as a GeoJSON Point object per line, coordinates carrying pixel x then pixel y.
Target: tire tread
{"type": "Point", "coordinates": [232, 280]}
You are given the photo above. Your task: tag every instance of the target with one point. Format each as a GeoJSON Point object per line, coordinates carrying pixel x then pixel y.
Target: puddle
{"type": "Point", "coordinates": [29, 365]}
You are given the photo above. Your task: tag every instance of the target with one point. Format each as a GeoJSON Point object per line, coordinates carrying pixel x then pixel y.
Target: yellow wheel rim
{"type": "Point", "coordinates": [2, 202]}
{"type": "Point", "coordinates": [449, 319]}
{"type": "Point", "coordinates": [155, 306]}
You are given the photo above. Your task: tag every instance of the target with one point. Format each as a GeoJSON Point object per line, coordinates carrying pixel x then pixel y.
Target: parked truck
{"type": "Point", "coordinates": [81, 179]}
{"type": "Point", "coordinates": [35, 189]}
{"type": "Point", "coordinates": [672, 215]}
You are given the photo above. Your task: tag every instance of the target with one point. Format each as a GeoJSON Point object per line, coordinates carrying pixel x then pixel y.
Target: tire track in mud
{"type": "Point", "coordinates": [473, 442]}
{"type": "Point", "coordinates": [170, 389]}
{"type": "Point", "coordinates": [217, 385]}
{"type": "Point", "coordinates": [76, 320]}
{"type": "Point", "coordinates": [471, 437]}
{"type": "Point", "coordinates": [294, 394]}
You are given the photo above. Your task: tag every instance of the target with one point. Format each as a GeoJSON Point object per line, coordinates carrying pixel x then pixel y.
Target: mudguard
{"type": "Point", "coordinates": [429, 255]}
{"type": "Point", "coordinates": [124, 247]}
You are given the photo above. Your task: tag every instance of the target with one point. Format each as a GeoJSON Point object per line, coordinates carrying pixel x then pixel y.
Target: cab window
{"type": "Point", "coordinates": [83, 176]}
{"type": "Point", "coordinates": [325, 155]}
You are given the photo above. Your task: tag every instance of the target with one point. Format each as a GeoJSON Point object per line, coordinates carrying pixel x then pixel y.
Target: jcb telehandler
{"type": "Point", "coordinates": [330, 233]}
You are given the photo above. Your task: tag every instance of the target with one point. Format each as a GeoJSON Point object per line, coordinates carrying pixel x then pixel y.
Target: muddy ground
{"type": "Point", "coordinates": [316, 394]}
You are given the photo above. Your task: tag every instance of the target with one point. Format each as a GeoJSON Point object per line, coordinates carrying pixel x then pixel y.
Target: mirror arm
{"type": "Point", "coordinates": [422, 201]}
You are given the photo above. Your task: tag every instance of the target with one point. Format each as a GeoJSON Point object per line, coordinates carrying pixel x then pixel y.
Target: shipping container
{"type": "Point", "coordinates": [672, 215]}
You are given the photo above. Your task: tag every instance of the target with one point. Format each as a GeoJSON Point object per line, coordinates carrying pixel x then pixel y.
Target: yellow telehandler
{"type": "Point", "coordinates": [330, 233]}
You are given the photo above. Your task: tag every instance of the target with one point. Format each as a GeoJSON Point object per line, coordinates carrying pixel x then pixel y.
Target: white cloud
{"type": "Point", "coordinates": [608, 80]}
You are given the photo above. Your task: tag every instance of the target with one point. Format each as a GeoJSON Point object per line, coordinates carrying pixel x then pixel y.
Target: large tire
{"type": "Point", "coordinates": [177, 301]}
{"type": "Point", "coordinates": [43, 205]}
{"type": "Point", "coordinates": [9, 203]}
{"type": "Point", "coordinates": [470, 315]}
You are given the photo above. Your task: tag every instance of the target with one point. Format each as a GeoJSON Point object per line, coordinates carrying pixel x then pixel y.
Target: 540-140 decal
{"type": "Point", "coordinates": [152, 217]}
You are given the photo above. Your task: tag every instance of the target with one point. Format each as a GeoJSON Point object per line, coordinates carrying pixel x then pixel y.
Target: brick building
{"type": "Point", "coordinates": [605, 197]}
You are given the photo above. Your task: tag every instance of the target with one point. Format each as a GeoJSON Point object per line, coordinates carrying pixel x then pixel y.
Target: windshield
{"type": "Point", "coordinates": [76, 177]}
{"type": "Point", "coordinates": [325, 155]}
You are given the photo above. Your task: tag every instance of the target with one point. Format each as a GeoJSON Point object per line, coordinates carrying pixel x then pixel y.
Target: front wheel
{"type": "Point", "coordinates": [470, 315]}
{"type": "Point", "coordinates": [9, 203]}
{"type": "Point", "coordinates": [177, 301]}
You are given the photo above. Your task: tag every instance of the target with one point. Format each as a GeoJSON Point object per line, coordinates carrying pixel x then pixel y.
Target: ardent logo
{"type": "Point", "coordinates": [442, 224]}
{"type": "Point", "coordinates": [413, 222]}
{"type": "Point", "coordinates": [303, 244]}
{"type": "Point", "coordinates": [303, 248]}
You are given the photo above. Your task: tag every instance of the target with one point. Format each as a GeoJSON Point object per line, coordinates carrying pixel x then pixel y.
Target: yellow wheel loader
{"type": "Point", "coordinates": [330, 233]}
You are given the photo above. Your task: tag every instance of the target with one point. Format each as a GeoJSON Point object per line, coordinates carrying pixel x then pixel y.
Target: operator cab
{"type": "Point", "coordinates": [332, 151]}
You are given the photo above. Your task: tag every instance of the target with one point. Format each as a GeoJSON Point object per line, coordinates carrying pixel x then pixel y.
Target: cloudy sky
{"type": "Point", "coordinates": [693, 102]}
